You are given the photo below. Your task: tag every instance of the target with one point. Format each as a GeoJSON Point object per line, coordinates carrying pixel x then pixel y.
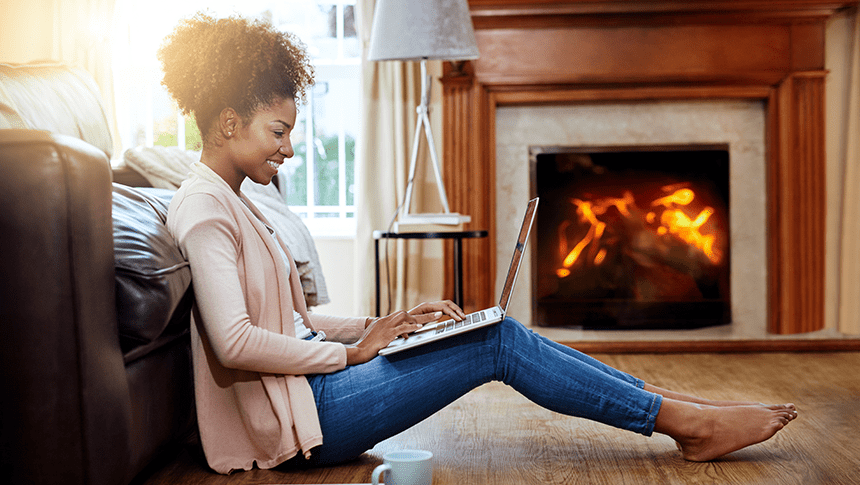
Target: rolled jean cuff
{"type": "Point", "coordinates": [651, 418]}
{"type": "Point", "coordinates": [656, 403]}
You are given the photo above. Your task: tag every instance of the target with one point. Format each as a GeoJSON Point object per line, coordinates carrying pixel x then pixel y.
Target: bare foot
{"type": "Point", "coordinates": [694, 399]}
{"type": "Point", "coordinates": [698, 400]}
{"type": "Point", "coordinates": [792, 410]}
{"type": "Point", "coordinates": [704, 433]}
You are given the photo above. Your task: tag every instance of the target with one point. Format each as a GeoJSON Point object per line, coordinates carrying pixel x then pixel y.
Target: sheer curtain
{"type": "Point", "coordinates": [81, 37]}
{"type": "Point", "coordinates": [844, 142]}
{"type": "Point", "coordinates": [390, 92]}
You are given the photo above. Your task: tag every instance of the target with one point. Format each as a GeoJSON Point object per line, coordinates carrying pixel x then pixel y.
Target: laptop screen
{"type": "Point", "coordinates": [514, 269]}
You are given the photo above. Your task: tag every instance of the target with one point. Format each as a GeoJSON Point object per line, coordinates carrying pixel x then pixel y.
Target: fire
{"type": "Point", "coordinates": [595, 231]}
{"type": "Point", "coordinates": [676, 222]}
{"type": "Point", "coordinates": [666, 217]}
{"type": "Point", "coordinates": [680, 197]}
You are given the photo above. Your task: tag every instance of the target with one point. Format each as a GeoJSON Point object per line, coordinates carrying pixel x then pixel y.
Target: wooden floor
{"type": "Point", "coordinates": [495, 436]}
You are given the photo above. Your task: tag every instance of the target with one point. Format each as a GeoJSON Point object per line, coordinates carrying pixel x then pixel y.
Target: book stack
{"type": "Point", "coordinates": [442, 222]}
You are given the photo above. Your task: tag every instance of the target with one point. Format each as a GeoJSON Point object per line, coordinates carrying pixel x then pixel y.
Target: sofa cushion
{"type": "Point", "coordinates": [152, 277]}
{"type": "Point", "coordinates": [54, 97]}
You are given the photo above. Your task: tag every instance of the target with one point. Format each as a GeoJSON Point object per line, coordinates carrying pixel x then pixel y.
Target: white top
{"type": "Point", "coordinates": [302, 331]}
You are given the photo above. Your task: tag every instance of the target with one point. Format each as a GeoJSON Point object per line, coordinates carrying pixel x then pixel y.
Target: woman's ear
{"type": "Point", "coordinates": [228, 123]}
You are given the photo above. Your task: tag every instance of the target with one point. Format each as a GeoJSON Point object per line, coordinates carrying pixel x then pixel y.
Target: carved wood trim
{"type": "Point", "coordinates": [542, 13]}
{"type": "Point", "coordinates": [798, 204]}
{"type": "Point", "coordinates": [567, 95]}
{"type": "Point", "coordinates": [712, 346]}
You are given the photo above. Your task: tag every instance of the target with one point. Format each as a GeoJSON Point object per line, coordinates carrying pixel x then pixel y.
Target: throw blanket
{"type": "Point", "coordinates": [167, 167]}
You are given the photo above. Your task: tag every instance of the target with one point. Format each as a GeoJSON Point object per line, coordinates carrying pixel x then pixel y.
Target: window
{"type": "Point", "coordinates": [318, 182]}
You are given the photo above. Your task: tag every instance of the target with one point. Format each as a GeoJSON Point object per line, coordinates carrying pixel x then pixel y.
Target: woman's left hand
{"type": "Point", "coordinates": [447, 307]}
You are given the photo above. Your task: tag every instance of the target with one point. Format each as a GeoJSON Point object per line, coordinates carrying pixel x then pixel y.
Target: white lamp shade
{"type": "Point", "coordinates": [411, 30]}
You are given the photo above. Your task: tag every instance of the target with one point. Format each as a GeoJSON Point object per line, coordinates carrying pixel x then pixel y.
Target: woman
{"type": "Point", "coordinates": [274, 382]}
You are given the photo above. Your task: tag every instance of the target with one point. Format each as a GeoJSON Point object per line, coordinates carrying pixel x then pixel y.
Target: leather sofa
{"type": "Point", "coordinates": [95, 298]}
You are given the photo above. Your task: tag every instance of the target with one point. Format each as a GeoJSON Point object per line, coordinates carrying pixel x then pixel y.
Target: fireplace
{"type": "Point", "coordinates": [631, 237]}
{"type": "Point", "coordinates": [525, 133]}
{"type": "Point", "coordinates": [544, 53]}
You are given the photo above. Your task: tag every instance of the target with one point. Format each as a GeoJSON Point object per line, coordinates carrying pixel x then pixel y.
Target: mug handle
{"type": "Point", "coordinates": [379, 471]}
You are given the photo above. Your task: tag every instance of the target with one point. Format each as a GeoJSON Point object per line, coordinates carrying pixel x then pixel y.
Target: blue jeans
{"type": "Point", "coordinates": [364, 404]}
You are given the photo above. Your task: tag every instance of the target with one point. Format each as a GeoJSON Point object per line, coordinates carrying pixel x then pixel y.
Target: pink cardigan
{"type": "Point", "coordinates": [254, 404]}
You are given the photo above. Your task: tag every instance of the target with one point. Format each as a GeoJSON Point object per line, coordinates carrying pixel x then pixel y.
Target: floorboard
{"type": "Point", "coordinates": [495, 436]}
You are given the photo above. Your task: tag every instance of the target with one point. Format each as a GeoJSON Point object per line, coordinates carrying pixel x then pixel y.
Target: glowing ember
{"type": "Point", "coordinates": [601, 255]}
{"type": "Point", "coordinates": [666, 219]}
{"type": "Point", "coordinates": [680, 197]}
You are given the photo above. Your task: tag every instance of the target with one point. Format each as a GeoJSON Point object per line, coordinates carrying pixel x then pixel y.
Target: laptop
{"type": "Point", "coordinates": [437, 331]}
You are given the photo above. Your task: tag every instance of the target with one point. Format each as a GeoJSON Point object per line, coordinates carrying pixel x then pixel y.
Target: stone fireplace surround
{"type": "Point", "coordinates": [738, 123]}
{"type": "Point", "coordinates": [544, 53]}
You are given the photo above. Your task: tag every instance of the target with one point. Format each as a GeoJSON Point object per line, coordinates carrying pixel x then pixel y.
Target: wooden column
{"type": "Point", "coordinates": [797, 204]}
{"type": "Point", "coordinates": [470, 182]}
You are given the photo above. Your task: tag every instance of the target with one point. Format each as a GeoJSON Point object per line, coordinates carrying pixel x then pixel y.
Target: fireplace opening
{"type": "Point", "coordinates": [631, 237]}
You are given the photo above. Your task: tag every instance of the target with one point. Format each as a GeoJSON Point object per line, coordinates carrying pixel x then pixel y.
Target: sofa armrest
{"type": "Point", "coordinates": [66, 415]}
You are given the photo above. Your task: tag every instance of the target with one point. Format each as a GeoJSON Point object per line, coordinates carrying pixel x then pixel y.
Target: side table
{"type": "Point", "coordinates": [457, 236]}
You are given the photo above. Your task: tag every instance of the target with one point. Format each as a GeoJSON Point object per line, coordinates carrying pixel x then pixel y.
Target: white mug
{"type": "Point", "coordinates": [407, 467]}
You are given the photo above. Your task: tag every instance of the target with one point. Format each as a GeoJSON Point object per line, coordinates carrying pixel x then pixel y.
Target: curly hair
{"type": "Point", "coordinates": [211, 64]}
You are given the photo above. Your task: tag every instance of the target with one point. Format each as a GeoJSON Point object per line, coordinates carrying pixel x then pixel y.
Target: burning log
{"type": "Point", "coordinates": [662, 252]}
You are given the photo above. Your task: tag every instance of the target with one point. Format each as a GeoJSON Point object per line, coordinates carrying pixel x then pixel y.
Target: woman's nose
{"type": "Point", "coordinates": [287, 150]}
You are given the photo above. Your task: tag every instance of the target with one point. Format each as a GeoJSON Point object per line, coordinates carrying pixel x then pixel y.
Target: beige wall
{"type": "Point", "coordinates": [25, 30]}
{"type": "Point", "coordinates": [837, 62]}
{"type": "Point", "coordinates": [338, 268]}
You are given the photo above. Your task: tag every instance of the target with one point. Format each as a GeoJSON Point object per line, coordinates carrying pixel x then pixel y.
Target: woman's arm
{"type": "Point", "coordinates": [209, 239]}
{"type": "Point", "coordinates": [346, 330]}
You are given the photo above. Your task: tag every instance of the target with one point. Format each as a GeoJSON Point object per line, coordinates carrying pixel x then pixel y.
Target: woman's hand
{"type": "Point", "coordinates": [381, 331]}
{"type": "Point", "coordinates": [447, 307]}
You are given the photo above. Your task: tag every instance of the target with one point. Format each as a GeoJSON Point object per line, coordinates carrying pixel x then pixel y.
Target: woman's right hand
{"type": "Point", "coordinates": [382, 331]}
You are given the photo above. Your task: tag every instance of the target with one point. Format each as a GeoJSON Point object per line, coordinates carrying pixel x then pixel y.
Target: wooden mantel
{"type": "Point", "coordinates": [566, 52]}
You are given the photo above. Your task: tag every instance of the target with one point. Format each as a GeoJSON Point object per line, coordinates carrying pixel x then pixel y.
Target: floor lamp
{"type": "Point", "coordinates": [420, 30]}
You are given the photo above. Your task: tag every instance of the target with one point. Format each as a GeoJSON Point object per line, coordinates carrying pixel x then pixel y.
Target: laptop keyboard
{"type": "Point", "coordinates": [471, 318]}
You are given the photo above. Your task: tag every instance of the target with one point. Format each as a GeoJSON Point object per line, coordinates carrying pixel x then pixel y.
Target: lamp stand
{"type": "Point", "coordinates": [423, 109]}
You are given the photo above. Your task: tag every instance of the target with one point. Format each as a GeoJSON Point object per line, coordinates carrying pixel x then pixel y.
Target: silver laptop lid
{"type": "Point", "coordinates": [522, 239]}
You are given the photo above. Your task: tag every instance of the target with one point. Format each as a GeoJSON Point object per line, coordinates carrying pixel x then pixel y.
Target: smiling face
{"type": "Point", "coordinates": [259, 146]}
